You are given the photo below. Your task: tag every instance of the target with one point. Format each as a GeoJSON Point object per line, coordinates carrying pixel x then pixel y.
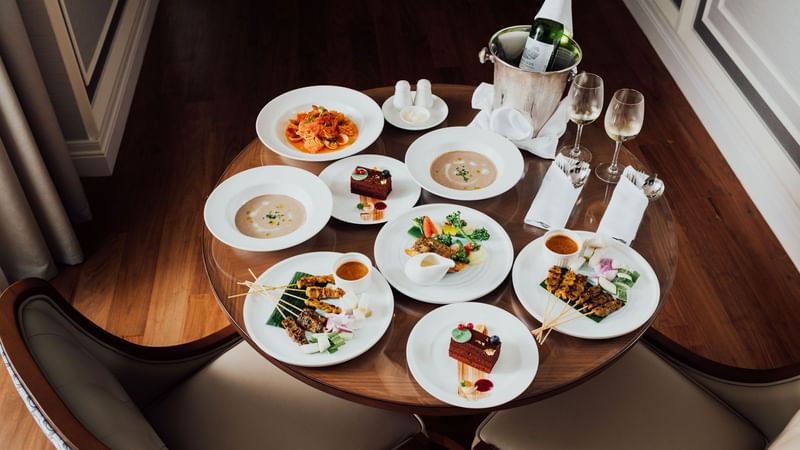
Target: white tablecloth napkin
{"type": "Point", "coordinates": [554, 201]}
{"type": "Point", "coordinates": [516, 126]}
{"type": "Point", "coordinates": [625, 210]}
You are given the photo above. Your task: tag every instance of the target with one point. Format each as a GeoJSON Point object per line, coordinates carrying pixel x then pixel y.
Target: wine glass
{"type": "Point", "coordinates": [585, 103]}
{"type": "Point", "coordinates": [623, 122]}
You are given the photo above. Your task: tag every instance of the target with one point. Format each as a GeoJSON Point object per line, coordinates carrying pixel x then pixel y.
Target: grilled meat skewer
{"type": "Point", "coordinates": [311, 321]}
{"type": "Point", "coordinates": [319, 304]}
{"type": "Point", "coordinates": [314, 280]}
{"type": "Point", "coordinates": [316, 292]}
{"type": "Point", "coordinates": [294, 330]}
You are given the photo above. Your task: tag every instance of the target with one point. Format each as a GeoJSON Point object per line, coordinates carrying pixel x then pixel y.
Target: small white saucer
{"type": "Point", "coordinates": [438, 113]}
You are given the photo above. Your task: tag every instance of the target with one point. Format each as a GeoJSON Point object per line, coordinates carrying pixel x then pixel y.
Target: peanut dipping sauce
{"type": "Point", "coordinates": [562, 244]}
{"type": "Point", "coordinates": [352, 270]}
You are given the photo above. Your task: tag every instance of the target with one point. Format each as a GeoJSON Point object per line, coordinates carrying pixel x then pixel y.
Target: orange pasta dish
{"type": "Point", "coordinates": [320, 130]}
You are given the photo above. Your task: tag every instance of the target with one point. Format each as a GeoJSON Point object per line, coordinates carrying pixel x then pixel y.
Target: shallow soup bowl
{"type": "Point", "coordinates": [225, 201]}
{"type": "Point", "coordinates": [501, 152]}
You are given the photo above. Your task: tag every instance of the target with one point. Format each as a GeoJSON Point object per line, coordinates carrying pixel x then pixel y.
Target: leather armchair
{"type": "Point", "coordinates": [89, 389]}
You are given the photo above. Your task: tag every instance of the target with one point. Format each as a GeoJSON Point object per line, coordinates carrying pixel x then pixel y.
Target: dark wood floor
{"type": "Point", "coordinates": [209, 68]}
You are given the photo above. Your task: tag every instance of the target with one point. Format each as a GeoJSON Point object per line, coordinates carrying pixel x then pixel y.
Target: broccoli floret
{"type": "Point", "coordinates": [458, 223]}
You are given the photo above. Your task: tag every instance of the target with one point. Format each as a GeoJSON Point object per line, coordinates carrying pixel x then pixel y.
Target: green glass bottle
{"type": "Point", "coordinates": [552, 21]}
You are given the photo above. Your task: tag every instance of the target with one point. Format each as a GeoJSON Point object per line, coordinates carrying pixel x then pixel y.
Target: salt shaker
{"type": "Point", "coordinates": [424, 97]}
{"type": "Point", "coordinates": [402, 94]}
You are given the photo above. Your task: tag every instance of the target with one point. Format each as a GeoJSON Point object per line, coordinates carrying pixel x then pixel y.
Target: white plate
{"type": "Point", "coordinates": [404, 195]}
{"type": "Point", "coordinates": [503, 153]}
{"type": "Point", "coordinates": [226, 199]}
{"type": "Point", "coordinates": [437, 373]}
{"type": "Point", "coordinates": [471, 283]}
{"type": "Point", "coordinates": [438, 113]}
{"type": "Point", "coordinates": [530, 269]}
{"type": "Point", "coordinates": [274, 341]}
{"type": "Point", "coordinates": [361, 109]}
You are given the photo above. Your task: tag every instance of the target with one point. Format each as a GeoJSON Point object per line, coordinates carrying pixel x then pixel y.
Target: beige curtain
{"type": "Point", "coordinates": [39, 188]}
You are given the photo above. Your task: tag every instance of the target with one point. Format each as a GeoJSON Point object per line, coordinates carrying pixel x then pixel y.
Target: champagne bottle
{"type": "Point", "coordinates": [550, 24]}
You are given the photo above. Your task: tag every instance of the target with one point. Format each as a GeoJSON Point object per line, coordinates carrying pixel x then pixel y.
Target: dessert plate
{"type": "Point", "coordinates": [360, 108]}
{"type": "Point", "coordinates": [227, 199]}
{"type": "Point", "coordinates": [530, 269]}
{"type": "Point", "coordinates": [505, 164]}
{"type": "Point", "coordinates": [437, 114]}
{"type": "Point", "coordinates": [437, 373]}
{"type": "Point", "coordinates": [473, 282]}
{"type": "Point", "coordinates": [404, 195]}
{"type": "Point", "coordinates": [274, 341]}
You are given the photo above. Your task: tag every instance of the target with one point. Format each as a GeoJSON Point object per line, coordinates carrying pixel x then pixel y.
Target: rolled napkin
{"type": "Point", "coordinates": [557, 195]}
{"type": "Point", "coordinates": [626, 208]}
{"type": "Point", "coordinates": [516, 126]}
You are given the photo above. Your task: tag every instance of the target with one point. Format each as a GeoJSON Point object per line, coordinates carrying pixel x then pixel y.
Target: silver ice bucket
{"type": "Point", "coordinates": [534, 93]}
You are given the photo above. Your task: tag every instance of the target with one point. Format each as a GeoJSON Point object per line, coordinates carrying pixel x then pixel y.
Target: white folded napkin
{"type": "Point", "coordinates": [626, 208]}
{"type": "Point", "coordinates": [555, 199]}
{"type": "Point", "coordinates": [516, 126]}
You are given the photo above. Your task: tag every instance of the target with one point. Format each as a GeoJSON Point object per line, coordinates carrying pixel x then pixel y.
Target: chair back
{"type": "Point", "coordinates": [76, 400]}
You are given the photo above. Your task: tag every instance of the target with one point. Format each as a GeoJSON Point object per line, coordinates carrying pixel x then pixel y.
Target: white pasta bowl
{"type": "Point", "coordinates": [358, 107]}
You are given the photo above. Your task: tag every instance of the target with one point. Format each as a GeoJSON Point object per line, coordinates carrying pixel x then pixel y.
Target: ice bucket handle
{"type": "Point", "coordinates": [484, 56]}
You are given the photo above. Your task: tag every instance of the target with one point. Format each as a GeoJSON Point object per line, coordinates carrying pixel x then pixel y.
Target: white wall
{"type": "Point", "coordinates": [740, 74]}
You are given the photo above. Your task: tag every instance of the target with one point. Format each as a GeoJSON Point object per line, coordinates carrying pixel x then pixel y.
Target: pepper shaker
{"type": "Point", "coordinates": [424, 97]}
{"type": "Point", "coordinates": [402, 94]}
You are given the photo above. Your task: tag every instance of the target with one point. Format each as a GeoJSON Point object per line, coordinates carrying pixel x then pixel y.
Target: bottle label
{"type": "Point", "coordinates": [536, 55]}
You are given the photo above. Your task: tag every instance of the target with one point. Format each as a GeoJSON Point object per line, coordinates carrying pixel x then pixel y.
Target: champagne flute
{"type": "Point", "coordinates": [623, 122]}
{"type": "Point", "coordinates": [585, 103]}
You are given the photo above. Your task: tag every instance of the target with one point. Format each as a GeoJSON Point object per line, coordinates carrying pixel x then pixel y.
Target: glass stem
{"type": "Point", "coordinates": [576, 150]}
{"type": "Point", "coordinates": [613, 167]}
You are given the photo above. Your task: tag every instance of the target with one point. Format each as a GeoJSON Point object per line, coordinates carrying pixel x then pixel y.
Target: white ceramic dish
{"type": "Point", "coordinates": [437, 373]}
{"type": "Point", "coordinates": [360, 108]}
{"type": "Point", "coordinates": [274, 341]}
{"type": "Point", "coordinates": [530, 269]}
{"type": "Point", "coordinates": [471, 283]}
{"type": "Point", "coordinates": [226, 199]}
{"type": "Point", "coordinates": [393, 115]}
{"type": "Point", "coordinates": [404, 195]}
{"type": "Point", "coordinates": [505, 156]}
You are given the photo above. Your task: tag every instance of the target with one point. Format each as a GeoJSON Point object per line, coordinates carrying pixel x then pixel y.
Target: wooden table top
{"type": "Point", "coordinates": [380, 377]}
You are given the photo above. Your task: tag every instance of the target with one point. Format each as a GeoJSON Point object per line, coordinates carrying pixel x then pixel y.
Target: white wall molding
{"type": "Point", "coordinates": [111, 105]}
{"type": "Point", "coordinates": [766, 172]}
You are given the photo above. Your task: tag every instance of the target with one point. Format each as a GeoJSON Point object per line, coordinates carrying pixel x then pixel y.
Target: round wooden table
{"type": "Point", "coordinates": [380, 377]}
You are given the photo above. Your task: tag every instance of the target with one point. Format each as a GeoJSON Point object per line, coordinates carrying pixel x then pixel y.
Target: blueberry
{"type": "Point", "coordinates": [386, 174]}
{"type": "Point", "coordinates": [494, 340]}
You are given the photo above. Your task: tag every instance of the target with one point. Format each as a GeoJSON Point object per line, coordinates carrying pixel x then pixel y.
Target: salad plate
{"type": "Point", "coordinates": [477, 272]}
{"type": "Point", "coordinates": [360, 109]}
{"type": "Point", "coordinates": [259, 308]}
{"type": "Point", "coordinates": [428, 355]}
{"type": "Point", "coordinates": [464, 163]}
{"type": "Point", "coordinates": [354, 208]}
{"type": "Point", "coordinates": [638, 294]}
{"type": "Point", "coordinates": [268, 208]}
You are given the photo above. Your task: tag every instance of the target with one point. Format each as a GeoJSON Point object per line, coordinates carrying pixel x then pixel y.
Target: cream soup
{"type": "Point", "coordinates": [270, 216]}
{"type": "Point", "coordinates": [463, 170]}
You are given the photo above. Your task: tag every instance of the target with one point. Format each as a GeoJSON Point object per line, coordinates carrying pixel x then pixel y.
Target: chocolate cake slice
{"type": "Point", "coordinates": [474, 348]}
{"type": "Point", "coordinates": [371, 183]}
